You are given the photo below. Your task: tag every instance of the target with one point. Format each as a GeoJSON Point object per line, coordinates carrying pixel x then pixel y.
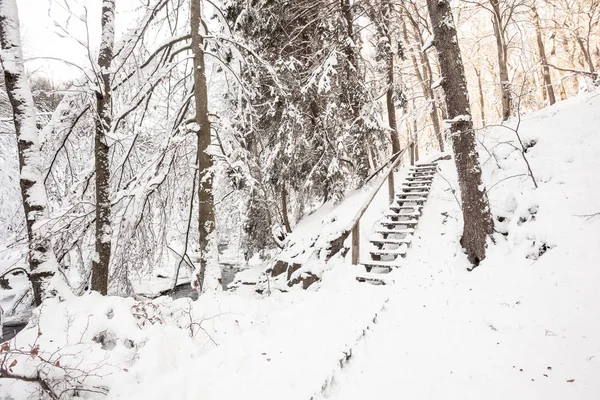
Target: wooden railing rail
{"type": "Point", "coordinates": [389, 177]}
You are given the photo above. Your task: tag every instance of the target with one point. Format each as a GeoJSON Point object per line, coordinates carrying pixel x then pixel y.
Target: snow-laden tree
{"type": "Point", "coordinates": [43, 274]}
{"type": "Point", "coordinates": [477, 217]}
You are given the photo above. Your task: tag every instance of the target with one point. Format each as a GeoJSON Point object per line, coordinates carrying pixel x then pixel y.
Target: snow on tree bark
{"type": "Point", "coordinates": [478, 224]}
{"type": "Point", "coordinates": [42, 261]}
{"type": "Point", "coordinates": [101, 262]}
{"type": "Point", "coordinates": [206, 213]}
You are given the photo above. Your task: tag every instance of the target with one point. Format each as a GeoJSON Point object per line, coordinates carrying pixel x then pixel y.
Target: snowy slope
{"type": "Point", "coordinates": [515, 327]}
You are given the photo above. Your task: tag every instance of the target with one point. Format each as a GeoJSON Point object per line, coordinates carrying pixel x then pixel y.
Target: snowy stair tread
{"type": "Point", "coordinates": [412, 215]}
{"type": "Point", "coordinates": [374, 278]}
{"type": "Point", "coordinates": [397, 209]}
{"type": "Point", "coordinates": [394, 231]}
{"type": "Point", "coordinates": [383, 252]}
{"type": "Point", "coordinates": [415, 187]}
{"type": "Point", "coordinates": [392, 222]}
{"type": "Point", "coordinates": [398, 242]}
{"type": "Point", "coordinates": [382, 264]}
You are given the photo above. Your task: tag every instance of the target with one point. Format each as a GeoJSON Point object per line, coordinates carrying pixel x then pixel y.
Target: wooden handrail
{"type": "Point", "coordinates": [369, 200]}
{"type": "Point", "coordinates": [389, 176]}
{"type": "Point", "coordinates": [354, 225]}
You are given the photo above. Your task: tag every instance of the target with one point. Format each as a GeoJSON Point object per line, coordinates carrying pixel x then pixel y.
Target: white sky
{"type": "Point", "coordinates": [42, 38]}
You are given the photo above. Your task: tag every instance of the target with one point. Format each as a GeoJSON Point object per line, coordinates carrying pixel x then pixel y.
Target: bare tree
{"type": "Point", "coordinates": [42, 261]}
{"type": "Point", "coordinates": [478, 224]}
{"type": "Point", "coordinates": [206, 212]}
{"type": "Point", "coordinates": [101, 263]}
{"type": "Point", "coordinates": [548, 90]}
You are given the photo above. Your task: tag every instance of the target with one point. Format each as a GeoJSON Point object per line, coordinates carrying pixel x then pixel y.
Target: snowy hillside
{"type": "Point", "coordinates": [524, 324]}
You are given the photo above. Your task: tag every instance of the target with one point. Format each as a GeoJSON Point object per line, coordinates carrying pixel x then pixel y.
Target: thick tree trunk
{"type": "Point", "coordinates": [206, 205]}
{"type": "Point", "coordinates": [548, 89]}
{"type": "Point", "coordinates": [101, 263]}
{"type": "Point", "coordinates": [502, 51]}
{"type": "Point", "coordinates": [42, 261]}
{"type": "Point", "coordinates": [478, 224]}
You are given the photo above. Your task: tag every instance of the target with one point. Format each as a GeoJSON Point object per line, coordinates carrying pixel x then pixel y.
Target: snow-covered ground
{"type": "Point", "coordinates": [524, 324]}
{"type": "Point", "coordinates": [521, 325]}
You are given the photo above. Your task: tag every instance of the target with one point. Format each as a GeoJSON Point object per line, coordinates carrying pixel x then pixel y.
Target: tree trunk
{"type": "Point", "coordinates": [425, 82]}
{"type": "Point", "coordinates": [284, 209]}
{"type": "Point", "coordinates": [478, 224]}
{"type": "Point", "coordinates": [548, 89]}
{"type": "Point", "coordinates": [351, 91]}
{"type": "Point", "coordinates": [101, 262]}
{"type": "Point", "coordinates": [390, 95]}
{"type": "Point", "coordinates": [586, 53]}
{"type": "Point", "coordinates": [502, 50]}
{"type": "Point", "coordinates": [206, 214]}
{"type": "Point", "coordinates": [391, 107]}
{"type": "Point", "coordinates": [481, 97]}
{"type": "Point", "coordinates": [42, 261]}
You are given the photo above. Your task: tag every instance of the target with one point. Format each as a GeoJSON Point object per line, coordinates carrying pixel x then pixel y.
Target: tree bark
{"type": "Point", "coordinates": [101, 263]}
{"type": "Point", "coordinates": [284, 209]}
{"type": "Point", "coordinates": [42, 261]}
{"type": "Point", "coordinates": [390, 93]}
{"type": "Point", "coordinates": [481, 97]}
{"type": "Point", "coordinates": [424, 79]}
{"type": "Point", "coordinates": [548, 89]}
{"type": "Point", "coordinates": [351, 90]}
{"type": "Point", "coordinates": [206, 206]}
{"type": "Point", "coordinates": [502, 50]}
{"type": "Point", "coordinates": [478, 224]}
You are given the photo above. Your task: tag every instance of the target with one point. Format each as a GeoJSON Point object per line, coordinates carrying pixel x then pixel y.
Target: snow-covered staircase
{"type": "Point", "coordinates": [394, 232]}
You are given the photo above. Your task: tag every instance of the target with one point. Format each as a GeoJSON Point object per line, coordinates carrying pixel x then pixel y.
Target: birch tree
{"type": "Point", "coordinates": [477, 218]}
{"type": "Point", "coordinates": [42, 261]}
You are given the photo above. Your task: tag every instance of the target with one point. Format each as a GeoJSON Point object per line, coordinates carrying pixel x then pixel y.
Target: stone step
{"type": "Point", "coordinates": [389, 222]}
{"type": "Point", "coordinates": [374, 279]}
{"type": "Point", "coordinates": [421, 174]}
{"type": "Point", "coordinates": [409, 203]}
{"type": "Point", "coordinates": [387, 231]}
{"type": "Point", "coordinates": [381, 264]}
{"type": "Point", "coordinates": [394, 253]}
{"type": "Point", "coordinates": [397, 242]}
{"type": "Point", "coordinates": [415, 186]}
{"type": "Point", "coordinates": [410, 197]}
{"type": "Point", "coordinates": [419, 179]}
{"type": "Point", "coordinates": [416, 192]}
{"type": "Point", "coordinates": [425, 165]}
{"type": "Point", "coordinates": [399, 209]}
{"type": "Point", "coordinates": [413, 216]}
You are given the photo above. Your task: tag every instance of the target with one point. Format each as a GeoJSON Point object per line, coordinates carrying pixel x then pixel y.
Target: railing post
{"type": "Point", "coordinates": [391, 186]}
{"type": "Point", "coordinates": [355, 242]}
{"type": "Point", "coordinates": [412, 153]}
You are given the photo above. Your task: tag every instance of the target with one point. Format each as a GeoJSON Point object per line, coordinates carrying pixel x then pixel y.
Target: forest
{"type": "Point", "coordinates": [263, 198]}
